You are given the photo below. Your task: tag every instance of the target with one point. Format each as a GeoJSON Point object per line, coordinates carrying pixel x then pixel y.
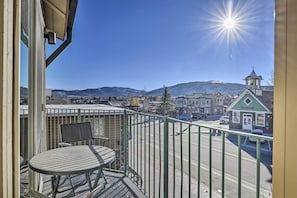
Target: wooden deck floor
{"type": "Point", "coordinates": [117, 186]}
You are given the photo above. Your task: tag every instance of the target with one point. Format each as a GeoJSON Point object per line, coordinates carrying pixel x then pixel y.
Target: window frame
{"type": "Point", "coordinates": [237, 116]}
{"type": "Point", "coordinates": [257, 119]}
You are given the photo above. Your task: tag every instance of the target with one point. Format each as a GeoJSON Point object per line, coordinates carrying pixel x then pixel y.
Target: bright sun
{"type": "Point", "coordinates": [229, 23]}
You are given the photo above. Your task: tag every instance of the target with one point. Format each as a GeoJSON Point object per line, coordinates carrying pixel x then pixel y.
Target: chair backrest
{"type": "Point", "coordinates": [76, 132]}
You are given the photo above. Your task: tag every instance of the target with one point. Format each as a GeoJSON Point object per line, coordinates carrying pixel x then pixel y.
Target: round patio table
{"type": "Point", "coordinates": [72, 160]}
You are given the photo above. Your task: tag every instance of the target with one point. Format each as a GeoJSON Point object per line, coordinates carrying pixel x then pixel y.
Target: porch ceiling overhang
{"type": "Point", "coordinates": [56, 14]}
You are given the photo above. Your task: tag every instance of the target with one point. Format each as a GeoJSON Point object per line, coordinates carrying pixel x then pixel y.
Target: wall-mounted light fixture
{"type": "Point", "coordinates": [51, 37]}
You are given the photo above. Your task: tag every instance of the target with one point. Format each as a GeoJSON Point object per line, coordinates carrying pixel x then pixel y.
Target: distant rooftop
{"type": "Point", "coordinates": [101, 107]}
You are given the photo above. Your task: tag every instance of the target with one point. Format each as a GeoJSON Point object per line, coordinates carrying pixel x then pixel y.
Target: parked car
{"type": "Point", "coordinates": [183, 117]}
{"type": "Point", "coordinates": [224, 120]}
{"type": "Point", "coordinates": [198, 116]}
{"type": "Point", "coordinates": [256, 132]}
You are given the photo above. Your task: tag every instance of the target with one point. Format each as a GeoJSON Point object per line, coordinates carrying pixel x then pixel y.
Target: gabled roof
{"type": "Point", "coordinates": [249, 102]}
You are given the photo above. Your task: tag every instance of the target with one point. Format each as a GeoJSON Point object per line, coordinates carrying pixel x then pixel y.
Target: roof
{"type": "Point", "coordinates": [74, 107]}
{"type": "Point", "coordinates": [262, 103]}
{"type": "Point", "coordinates": [59, 16]}
{"type": "Point", "coordinates": [267, 99]}
{"type": "Point", "coordinates": [253, 75]}
{"type": "Point", "coordinates": [56, 16]}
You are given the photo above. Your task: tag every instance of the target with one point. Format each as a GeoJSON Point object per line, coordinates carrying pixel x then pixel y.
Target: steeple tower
{"type": "Point", "coordinates": [253, 82]}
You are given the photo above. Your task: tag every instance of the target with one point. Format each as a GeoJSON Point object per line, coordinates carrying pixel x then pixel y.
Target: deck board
{"type": "Point", "coordinates": [117, 186]}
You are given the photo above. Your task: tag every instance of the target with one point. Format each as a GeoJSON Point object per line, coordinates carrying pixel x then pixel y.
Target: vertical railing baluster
{"type": "Point", "coordinates": [149, 156]}
{"type": "Point", "coordinates": [99, 125]}
{"type": "Point", "coordinates": [125, 142]}
{"type": "Point", "coordinates": [223, 164]}
{"type": "Point", "coordinates": [141, 136]}
{"type": "Point", "coordinates": [86, 115]}
{"type": "Point", "coordinates": [160, 158]}
{"type": "Point", "coordinates": [79, 115]}
{"type": "Point", "coordinates": [49, 119]}
{"type": "Point", "coordinates": [154, 177]}
{"type": "Point", "coordinates": [199, 159]}
{"type": "Point", "coordinates": [210, 163]}
{"type": "Point", "coordinates": [57, 127]}
{"type": "Point", "coordinates": [239, 166]}
{"type": "Point", "coordinates": [47, 124]}
{"type": "Point", "coordinates": [107, 128]}
{"type": "Point", "coordinates": [181, 161]}
{"type": "Point", "coordinates": [144, 152]}
{"type": "Point", "coordinates": [134, 142]}
{"type": "Point", "coordinates": [189, 160]}
{"type": "Point", "coordinates": [166, 157]}
{"type": "Point", "coordinates": [121, 144]}
{"type": "Point", "coordinates": [173, 145]}
{"type": "Point", "coordinates": [258, 167]}
{"type": "Point", "coordinates": [130, 137]}
{"type": "Point", "coordinates": [137, 146]}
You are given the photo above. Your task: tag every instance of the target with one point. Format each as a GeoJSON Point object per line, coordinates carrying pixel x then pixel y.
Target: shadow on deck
{"type": "Point", "coordinates": [117, 186]}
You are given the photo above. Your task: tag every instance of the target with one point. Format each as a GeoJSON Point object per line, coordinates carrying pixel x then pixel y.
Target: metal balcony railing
{"type": "Point", "coordinates": [166, 157]}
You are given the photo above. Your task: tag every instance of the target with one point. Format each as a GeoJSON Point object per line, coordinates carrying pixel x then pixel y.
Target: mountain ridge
{"type": "Point", "coordinates": [179, 89]}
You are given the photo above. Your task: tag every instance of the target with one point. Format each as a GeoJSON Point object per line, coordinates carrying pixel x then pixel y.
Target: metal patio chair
{"type": "Point", "coordinates": [75, 133]}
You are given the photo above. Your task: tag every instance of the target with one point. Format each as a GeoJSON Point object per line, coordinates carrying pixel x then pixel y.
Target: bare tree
{"type": "Point", "coordinates": [271, 79]}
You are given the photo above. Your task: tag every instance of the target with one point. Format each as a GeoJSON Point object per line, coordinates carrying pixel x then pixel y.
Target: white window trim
{"type": "Point", "coordinates": [257, 124]}
{"type": "Point", "coordinates": [233, 121]}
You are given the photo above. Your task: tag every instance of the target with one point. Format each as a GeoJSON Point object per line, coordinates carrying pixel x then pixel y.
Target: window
{"type": "Point", "coordinates": [260, 119]}
{"type": "Point", "coordinates": [236, 117]}
{"type": "Point", "coordinates": [247, 101]}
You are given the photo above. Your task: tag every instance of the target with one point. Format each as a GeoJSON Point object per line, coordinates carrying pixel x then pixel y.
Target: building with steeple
{"type": "Point", "coordinates": [253, 109]}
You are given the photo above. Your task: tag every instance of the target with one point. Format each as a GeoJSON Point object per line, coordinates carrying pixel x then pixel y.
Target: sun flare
{"type": "Point", "coordinates": [229, 23]}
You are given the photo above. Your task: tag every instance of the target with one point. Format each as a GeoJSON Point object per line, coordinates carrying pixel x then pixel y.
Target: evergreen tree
{"type": "Point", "coordinates": [166, 95]}
{"type": "Point", "coordinates": [165, 106]}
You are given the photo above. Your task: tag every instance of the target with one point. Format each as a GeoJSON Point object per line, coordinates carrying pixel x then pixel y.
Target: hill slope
{"type": "Point", "coordinates": [201, 87]}
{"type": "Point", "coordinates": [175, 90]}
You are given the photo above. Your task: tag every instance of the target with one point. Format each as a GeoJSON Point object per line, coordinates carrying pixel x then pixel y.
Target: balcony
{"type": "Point", "coordinates": [159, 156]}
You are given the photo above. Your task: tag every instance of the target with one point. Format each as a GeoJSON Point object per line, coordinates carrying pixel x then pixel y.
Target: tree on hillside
{"type": "Point", "coordinates": [166, 95]}
{"type": "Point", "coordinates": [165, 106]}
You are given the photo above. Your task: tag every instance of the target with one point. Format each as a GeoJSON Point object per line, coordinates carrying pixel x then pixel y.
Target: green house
{"type": "Point", "coordinates": [253, 109]}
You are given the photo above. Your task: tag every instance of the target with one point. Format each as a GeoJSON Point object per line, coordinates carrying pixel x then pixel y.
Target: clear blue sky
{"type": "Point", "coordinates": [147, 44]}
